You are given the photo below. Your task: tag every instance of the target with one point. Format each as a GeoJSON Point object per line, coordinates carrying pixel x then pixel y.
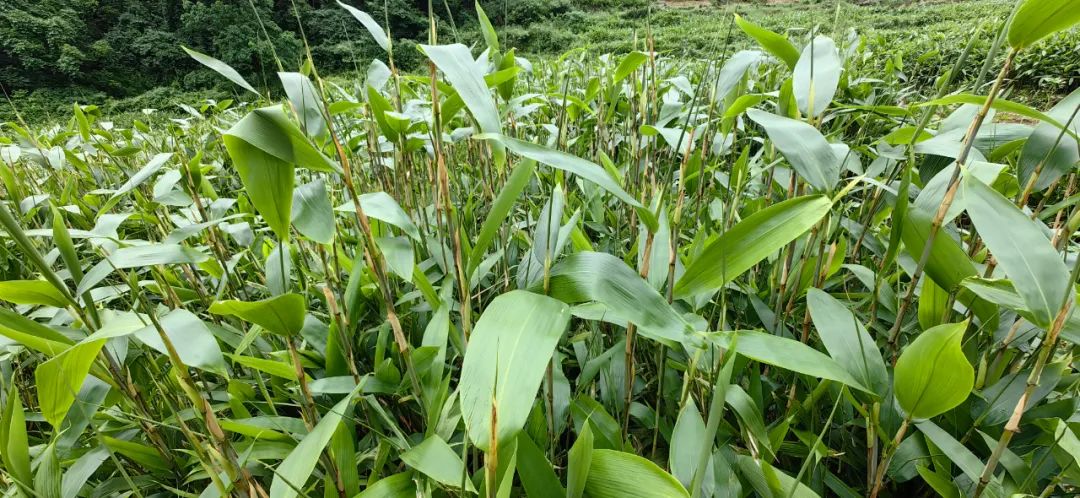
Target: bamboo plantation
{"type": "Point", "coordinates": [777, 272]}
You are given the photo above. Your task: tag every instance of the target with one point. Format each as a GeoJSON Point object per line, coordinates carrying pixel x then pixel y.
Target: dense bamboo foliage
{"type": "Point", "coordinates": [770, 273]}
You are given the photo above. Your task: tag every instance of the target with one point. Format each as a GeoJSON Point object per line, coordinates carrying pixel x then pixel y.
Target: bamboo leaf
{"type": "Point", "coordinates": [1001, 104]}
{"type": "Point", "coordinates": [456, 62]}
{"type": "Point", "coordinates": [509, 351]}
{"type": "Point", "coordinates": [34, 292]}
{"type": "Point", "coordinates": [382, 207]}
{"type": "Point", "coordinates": [754, 238]}
{"type": "Point", "coordinates": [847, 341]}
{"type": "Point", "coordinates": [1048, 150]}
{"type": "Point", "coordinates": [293, 472]}
{"type": "Point", "coordinates": [1037, 19]}
{"type": "Point", "coordinates": [616, 474]}
{"type": "Point", "coordinates": [59, 379]}
{"type": "Point", "coordinates": [370, 24]}
{"type": "Point", "coordinates": [603, 278]}
{"type": "Point", "coordinates": [1021, 249]}
{"type": "Point", "coordinates": [933, 376]}
{"type": "Point", "coordinates": [629, 63]}
{"type": "Point", "coordinates": [774, 43]}
{"type": "Point", "coordinates": [437, 460]}
{"type": "Point", "coordinates": [517, 181]}
{"type": "Point", "coordinates": [190, 338]}
{"type": "Point", "coordinates": [536, 472]}
{"type": "Point", "coordinates": [311, 212]}
{"type": "Point", "coordinates": [16, 448]}
{"type": "Point", "coordinates": [221, 68]}
{"type": "Point", "coordinates": [803, 146]}
{"type": "Point", "coordinates": [791, 355]}
{"type": "Point", "coordinates": [283, 314]}
{"type": "Point", "coordinates": [573, 164]}
{"type": "Point", "coordinates": [816, 76]}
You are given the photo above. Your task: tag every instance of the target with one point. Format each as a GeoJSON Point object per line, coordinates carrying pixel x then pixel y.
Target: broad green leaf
{"type": "Point", "coordinates": [78, 474]}
{"type": "Point", "coordinates": [437, 460]}
{"type": "Point", "coordinates": [456, 62]}
{"type": "Point", "coordinates": [750, 418]}
{"type": "Point", "coordinates": [509, 351]}
{"type": "Point", "coordinates": [754, 238]}
{"type": "Point", "coordinates": [500, 209]}
{"type": "Point", "coordinates": [305, 101]}
{"type": "Point", "coordinates": [398, 252]}
{"type": "Point", "coordinates": [770, 481]}
{"type": "Point", "coordinates": [279, 269]}
{"type": "Point", "coordinates": [47, 479]}
{"type": "Point", "coordinates": [1021, 248]}
{"type": "Point", "coordinates": [221, 68]}
{"type": "Point", "coordinates": [1037, 19]}
{"type": "Point", "coordinates": [35, 292]}
{"type": "Point", "coordinates": [629, 63]}
{"type": "Point", "coordinates": [933, 303]}
{"type": "Point", "coordinates": [603, 278]}
{"type": "Point", "coordinates": [66, 246]}
{"type": "Point", "coordinates": [394, 486]}
{"type": "Point", "coordinates": [507, 66]}
{"type": "Point", "coordinates": [83, 123]}
{"type": "Point", "coordinates": [1000, 105]}
{"type": "Point", "coordinates": [382, 207]}
{"type": "Point", "coordinates": [741, 104]}
{"type": "Point", "coordinates": [687, 439]}
{"type": "Point", "coordinates": [999, 291]}
{"type": "Point", "coordinates": [1049, 150]}
{"type": "Point", "coordinates": [816, 76]}
{"type": "Point", "coordinates": [1002, 292]}
{"type": "Point", "coordinates": [734, 69]}
{"type": "Point", "coordinates": [790, 354]}
{"type": "Point", "coordinates": [15, 445]}
{"type": "Point", "coordinates": [536, 472]}
{"type": "Point", "coordinates": [1003, 396]}
{"type": "Point", "coordinates": [572, 164]}
{"type": "Point", "coordinates": [155, 254]}
{"type": "Point", "coordinates": [706, 467]}
{"type": "Point", "coordinates": [293, 472]}
{"type": "Point", "coordinates": [142, 454]}
{"type": "Point", "coordinates": [490, 37]}
{"type": "Point", "coordinates": [970, 464]}
{"type": "Point", "coordinates": [932, 375]}
{"type": "Point", "coordinates": [268, 182]}
{"type": "Point", "coordinates": [281, 369]}
{"type": "Point", "coordinates": [578, 462]}
{"type": "Point", "coordinates": [803, 146]}
{"type": "Point", "coordinates": [380, 107]}
{"type": "Point", "coordinates": [156, 163]}
{"type": "Point", "coordinates": [59, 379]}
{"type": "Point", "coordinates": [614, 474]}
{"type": "Point", "coordinates": [774, 43]}
{"type": "Point", "coordinates": [194, 343]}
{"type": "Point", "coordinates": [847, 341]}
{"type": "Point", "coordinates": [139, 257]}
{"type": "Point", "coordinates": [948, 264]}
{"type": "Point", "coordinates": [372, 26]}
{"type": "Point", "coordinates": [283, 314]}
{"type": "Point", "coordinates": [32, 334]}
{"type": "Point", "coordinates": [1064, 438]}
{"type": "Point", "coordinates": [269, 131]}
{"type": "Point", "coordinates": [311, 212]}
{"type": "Point", "coordinates": [943, 485]}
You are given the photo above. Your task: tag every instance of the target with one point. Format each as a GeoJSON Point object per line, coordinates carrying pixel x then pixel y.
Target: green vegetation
{"type": "Point", "coordinates": [797, 264]}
